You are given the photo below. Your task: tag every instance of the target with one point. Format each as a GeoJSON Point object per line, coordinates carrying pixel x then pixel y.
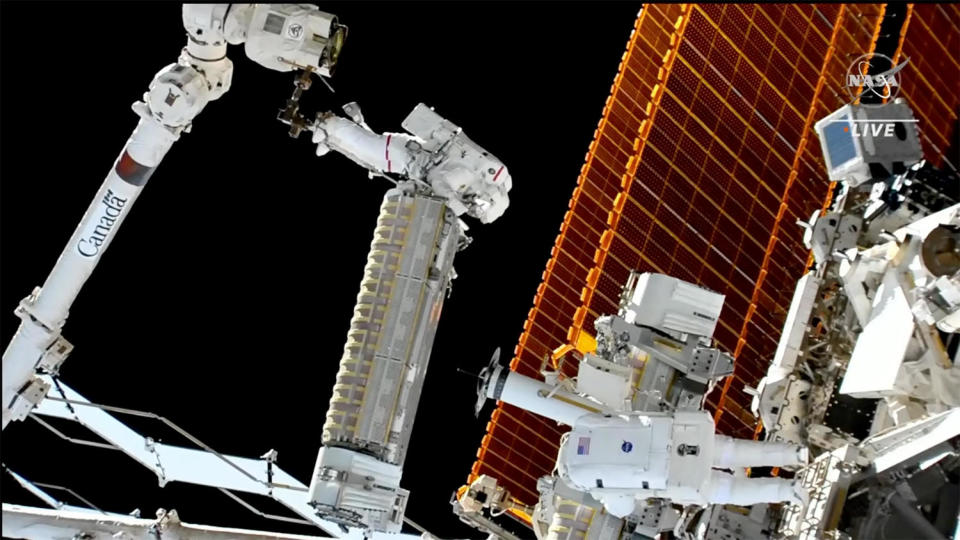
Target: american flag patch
{"type": "Point", "coordinates": [583, 446]}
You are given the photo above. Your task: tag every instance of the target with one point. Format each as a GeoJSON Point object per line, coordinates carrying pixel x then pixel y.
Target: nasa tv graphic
{"type": "Point", "coordinates": [882, 88]}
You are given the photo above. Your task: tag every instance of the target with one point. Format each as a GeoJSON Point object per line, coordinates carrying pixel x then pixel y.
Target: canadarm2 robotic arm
{"type": "Point", "coordinates": [282, 37]}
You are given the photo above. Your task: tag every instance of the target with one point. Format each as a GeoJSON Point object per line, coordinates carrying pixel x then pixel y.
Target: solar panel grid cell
{"type": "Point", "coordinates": [931, 79]}
{"type": "Point", "coordinates": [779, 282]}
{"type": "Point", "coordinates": [781, 270]}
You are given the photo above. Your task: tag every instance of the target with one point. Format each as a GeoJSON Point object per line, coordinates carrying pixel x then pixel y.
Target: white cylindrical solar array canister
{"type": "Point", "coordinates": [391, 334]}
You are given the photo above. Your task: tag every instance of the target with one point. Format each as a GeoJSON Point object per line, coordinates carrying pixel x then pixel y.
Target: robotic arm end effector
{"type": "Point", "coordinates": [284, 37]}
{"type": "Point", "coordinates": [281, 37]}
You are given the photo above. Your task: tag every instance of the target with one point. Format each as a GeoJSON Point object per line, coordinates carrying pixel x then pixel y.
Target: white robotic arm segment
{"type": "Point", "coordinates": [201, 74]}
{"type": "Point", "coordinates": [205, 24]}
{"type": "Point", "coordinates": [237, 23]}
{"type": "Point", "coordinates": [284, 37]}
{"type": "Point", "coordinates": [281, 37]}
{"type": "Point", "coordinates": [176, 95]}
{"type": "Point", "coordinates": [206, 50]}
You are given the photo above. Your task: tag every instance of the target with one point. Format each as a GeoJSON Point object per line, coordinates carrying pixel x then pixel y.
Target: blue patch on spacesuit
{"type": "Point", "coordinates": [627, 446]}
{"type": "Point", "coordinates": [583, 446]}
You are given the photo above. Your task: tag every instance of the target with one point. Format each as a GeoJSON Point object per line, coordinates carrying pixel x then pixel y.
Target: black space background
{"type": "Point", "coordinates": [223, 303]}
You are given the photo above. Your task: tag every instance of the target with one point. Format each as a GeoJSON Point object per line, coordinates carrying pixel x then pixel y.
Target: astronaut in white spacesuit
{"type": "Point", "coordinates": [673, 455]}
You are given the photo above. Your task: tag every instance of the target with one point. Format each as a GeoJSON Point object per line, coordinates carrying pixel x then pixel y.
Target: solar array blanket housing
{"type": "Point", "coordinates": [702, 164]}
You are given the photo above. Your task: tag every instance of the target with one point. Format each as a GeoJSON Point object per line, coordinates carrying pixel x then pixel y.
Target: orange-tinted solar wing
{"type": "Point", "coordinates": [702, 163]}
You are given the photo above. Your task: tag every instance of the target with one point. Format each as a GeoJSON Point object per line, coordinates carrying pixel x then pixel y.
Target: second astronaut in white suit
{"type": "Point", "coordinates": [621, 458]}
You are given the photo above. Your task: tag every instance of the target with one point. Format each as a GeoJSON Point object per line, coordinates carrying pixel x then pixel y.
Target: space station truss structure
{"type": "Point", "coordinates": [701, 166]}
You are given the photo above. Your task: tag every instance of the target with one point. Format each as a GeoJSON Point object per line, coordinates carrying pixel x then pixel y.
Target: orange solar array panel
{"type": "Point", "coordinates": [701, 164]}
{"type": "Point", "coordinates": [930, 41]}
{"type": "Point", "coordinates": [803, 194]}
